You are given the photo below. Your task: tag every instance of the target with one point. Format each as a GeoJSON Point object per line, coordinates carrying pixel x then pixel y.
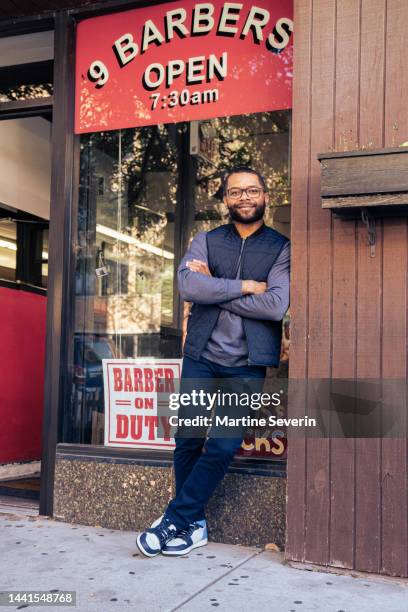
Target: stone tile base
{"type": "Point", "coordinates": [245, 509]}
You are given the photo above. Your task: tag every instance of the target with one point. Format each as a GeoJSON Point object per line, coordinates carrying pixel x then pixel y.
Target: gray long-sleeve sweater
{"type": "Point", "coordinates": [227, 344]}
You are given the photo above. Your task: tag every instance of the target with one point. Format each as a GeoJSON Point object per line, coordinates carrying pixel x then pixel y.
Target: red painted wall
{"type": "Point", "coordinates": [22, 338]}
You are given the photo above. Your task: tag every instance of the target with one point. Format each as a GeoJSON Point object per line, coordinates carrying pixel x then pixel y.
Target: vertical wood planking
{"type": "Point", "coordinates": [319, 309]}
{"type": "Point", "coordinates": [300, 189]}
{"type": "Point", "coordinates": [296, 467]}
{"type": "Point", "coordinates": [344, 282]}
{"type": "Point", "coordinates": [349, 310]}
{"type": "Point", "coordinates": [369, 292]}
{"type": "Point", "coordinates": [394, 508]}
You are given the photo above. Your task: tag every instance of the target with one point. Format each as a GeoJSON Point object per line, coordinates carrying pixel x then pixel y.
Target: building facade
{"type": "Point", "coordinates": [128, 192]}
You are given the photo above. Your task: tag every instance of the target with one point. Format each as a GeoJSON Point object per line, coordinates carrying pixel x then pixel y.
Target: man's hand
{"type": "Point", "coordinates": [248, 286]}
{"type": "Point", "coordinates": [253, 287]}
{"type": "Point", "coordinates": [198, 266]}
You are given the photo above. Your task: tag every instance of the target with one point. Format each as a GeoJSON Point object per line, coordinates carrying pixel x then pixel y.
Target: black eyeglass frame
{"type": "Point", "coordinates": [245, 190]}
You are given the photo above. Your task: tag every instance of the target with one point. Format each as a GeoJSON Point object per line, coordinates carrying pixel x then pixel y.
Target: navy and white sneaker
{"type": "Point", "coordinates": [152, 541]}
{"type": "Point", "coordinates": [193, 536]}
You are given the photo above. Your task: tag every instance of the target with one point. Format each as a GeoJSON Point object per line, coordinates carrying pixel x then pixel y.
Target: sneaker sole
{"type": "Point", "coordinates": [179, 553]}
{"type": "Point", "coordinates": [143, 551]}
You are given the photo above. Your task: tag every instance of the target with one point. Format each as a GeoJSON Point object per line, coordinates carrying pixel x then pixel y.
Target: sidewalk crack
{"type": "Point", "coordinates": [210, 584]}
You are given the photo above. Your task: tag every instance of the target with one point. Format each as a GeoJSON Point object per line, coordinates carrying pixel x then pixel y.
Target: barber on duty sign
{"type": "Point", "coordinates": [133, 390]}
{"type": "Point", "coordinates": [183, 61]}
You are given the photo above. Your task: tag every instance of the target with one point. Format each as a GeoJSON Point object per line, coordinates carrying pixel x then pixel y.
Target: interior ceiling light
{"type": "Point", "coordinates": [6, 244]}
{"type": "Point", "coordinates": [107, 231]}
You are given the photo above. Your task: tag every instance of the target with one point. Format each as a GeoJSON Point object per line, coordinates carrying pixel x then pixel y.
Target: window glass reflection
{"type": "Point", "coordinates": [124, 305]}
{"type": "Point", "coordinates": [259, 140]}
{"type": "Point", "coordinates": [143, 194]}
{"type": "Point", "coordinates": [26, 92]}
{"type": "Point", "coordinates": [8, 249]}
{"type": "Point", "coordinates": [23, 248]}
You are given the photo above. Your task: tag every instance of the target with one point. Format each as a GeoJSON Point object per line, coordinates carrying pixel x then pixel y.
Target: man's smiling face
{"type": "Point", "coordinates": [245, 197]}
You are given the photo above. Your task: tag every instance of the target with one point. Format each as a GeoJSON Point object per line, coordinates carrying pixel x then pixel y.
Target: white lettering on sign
{"type": "Point", "coordinates": [175, 23]}
{"type": "Point", "coordinates": [151, 34]}
{"type": "Point", "coordinates": [153, 76]}
{"type": "Point", "coordinates": [125, 49]}
{"type": "Point", "coordinates": [174, 69]}
{"type": "Point", "coordinates": [196, 70]}
{"type": "Point", "coordinates": [229, 16]}
{"type": "Point", "coordinates": [98, 73]}
{"type": "Point", "coordinates": [280, 36]}
{"type": "Point", "coordinates": [217, 68]}
{"type": "Point", "coordinates": [185, 97]}
{"type": "Point", "coordinates": [203, 21]}
{"type": "Point", "coordinates": [256, 21]}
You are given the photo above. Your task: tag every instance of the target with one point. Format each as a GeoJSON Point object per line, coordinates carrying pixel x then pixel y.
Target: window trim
{"type": "Point", "coordinates": [17, 285]}
{"type": "Point", "coordinates": [26, 108]}
{"type": "Point", "coordinates": [255, 466]}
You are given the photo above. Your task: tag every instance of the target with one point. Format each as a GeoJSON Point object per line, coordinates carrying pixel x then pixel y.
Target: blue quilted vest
{"type": "Point", "coordinates": [259, 253]}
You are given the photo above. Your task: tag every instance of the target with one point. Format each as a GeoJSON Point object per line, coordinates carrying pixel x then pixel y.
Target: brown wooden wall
{"type": "Point", "coordinates": [347, 499]}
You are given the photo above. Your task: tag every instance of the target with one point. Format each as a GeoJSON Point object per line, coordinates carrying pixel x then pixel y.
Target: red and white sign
{"type": "Point", "coordinates": [183, 61]}
{"type": "Point", "coordinates": [132, 388]}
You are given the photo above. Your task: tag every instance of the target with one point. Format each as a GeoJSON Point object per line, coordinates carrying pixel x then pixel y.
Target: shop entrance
{"type": "Point", "coordinates": [25, 155]}
{"type": "Point", "coordinates": [144, 193]}
{"type": "Point", "coordinates": [26, 74]}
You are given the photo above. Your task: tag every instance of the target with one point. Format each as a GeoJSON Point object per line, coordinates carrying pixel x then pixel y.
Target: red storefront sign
{"type": "Point", "coordinates": [183, 61]}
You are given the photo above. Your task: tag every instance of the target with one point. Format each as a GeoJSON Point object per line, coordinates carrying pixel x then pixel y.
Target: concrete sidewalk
{"type": "Point", "coordinates": [107, 573]}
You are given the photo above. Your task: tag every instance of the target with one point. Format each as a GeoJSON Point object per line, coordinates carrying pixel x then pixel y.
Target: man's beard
{"type": "Point", "coordinates": [257, 214]}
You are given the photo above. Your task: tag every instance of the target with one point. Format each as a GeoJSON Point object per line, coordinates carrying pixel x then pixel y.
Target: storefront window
{"type": "Point", "coordinates": [125, 258]}
{"type": "Point", "coordinates": [8, 249]}
{"type": "Point", "coordinates": [25, 92]}
{"type": "Point", "coordinates": [26, 66]}
{"type": "Point", "coordinates": [259, 140]}
{"type": "Point", "coordinates": [44, 259]}
{"type": "Point", "coordinates": [23, 249]}
{"type": "Point", "coordinates": [144, 193]}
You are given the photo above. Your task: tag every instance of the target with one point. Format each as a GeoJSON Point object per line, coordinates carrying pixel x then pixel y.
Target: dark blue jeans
{"type": "Point", "coordinates": [200, 463]}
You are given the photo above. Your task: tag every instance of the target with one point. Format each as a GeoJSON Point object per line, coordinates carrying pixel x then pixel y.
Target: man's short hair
{"type": "Point", "coordinates": [238, 170]}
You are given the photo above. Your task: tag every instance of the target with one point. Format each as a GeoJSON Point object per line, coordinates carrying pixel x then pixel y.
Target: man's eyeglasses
{"type": "Point", "coordinates": [236, 193]}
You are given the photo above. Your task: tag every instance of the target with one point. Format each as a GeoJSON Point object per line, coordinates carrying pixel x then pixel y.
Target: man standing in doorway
{"type": "Point", "coordinates": [237, 277]}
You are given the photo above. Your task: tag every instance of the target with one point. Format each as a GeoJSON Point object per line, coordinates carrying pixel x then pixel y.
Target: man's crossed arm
{"type": "Point", "coordinates": [247, 298]}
